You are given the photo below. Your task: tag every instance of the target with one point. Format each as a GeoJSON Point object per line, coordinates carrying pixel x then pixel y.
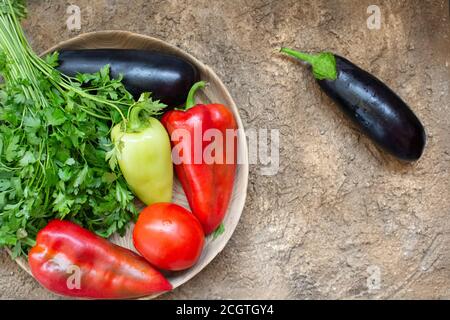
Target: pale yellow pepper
{"type": "Point", "coordinates": [144, 154]}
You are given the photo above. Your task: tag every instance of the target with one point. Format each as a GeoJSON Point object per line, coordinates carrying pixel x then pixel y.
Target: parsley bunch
{"type": "Point", "coordinates": [54, 143]}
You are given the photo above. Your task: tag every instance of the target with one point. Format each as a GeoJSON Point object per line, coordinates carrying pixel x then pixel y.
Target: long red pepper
{"type": "Point", "coordinates": [208, 186]}
{"type": "Point", "coordinates": [72, 261]}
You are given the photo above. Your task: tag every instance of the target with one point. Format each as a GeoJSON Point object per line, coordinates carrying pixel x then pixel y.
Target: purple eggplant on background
{"type": "Point", "coordinates": [168, 77]}
{"type": "Point", "coordinates": [377, 110]}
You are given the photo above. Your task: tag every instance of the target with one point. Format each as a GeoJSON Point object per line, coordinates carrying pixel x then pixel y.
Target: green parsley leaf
{"type": "Point", "coordinates": [27, 159]}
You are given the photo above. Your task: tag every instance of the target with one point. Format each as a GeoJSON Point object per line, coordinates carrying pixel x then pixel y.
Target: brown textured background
{"type": "Point", "coordinates": [338, 206]}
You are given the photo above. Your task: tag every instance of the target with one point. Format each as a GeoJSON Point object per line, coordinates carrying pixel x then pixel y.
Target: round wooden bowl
{"type": "Point", "coordinates": [214, 92]}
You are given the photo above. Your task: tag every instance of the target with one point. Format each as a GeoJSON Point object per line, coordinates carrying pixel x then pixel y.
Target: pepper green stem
{"type": "Point", "coordinates": [141, 111]}
{"type": "Point", "coordinates": [323, 64]}
{"type": "Point", "coordinates": [134, 120]}
{"type": "Point", "coordinates": [190, 101]}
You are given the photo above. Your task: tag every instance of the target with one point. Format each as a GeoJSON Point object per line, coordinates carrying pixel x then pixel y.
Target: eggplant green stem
{"type": "Point", "coordinates": [299, 55]}
{"type": "Point", "coordinates": [323, 64]}
{"type": "Point", "coordinates": [190, 101]}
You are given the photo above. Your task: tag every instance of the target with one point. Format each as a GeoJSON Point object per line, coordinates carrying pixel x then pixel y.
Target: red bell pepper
{"type": "Point", "coordinates": [208, 186]}
{"type": "Point", "coordinates": [72, 261]}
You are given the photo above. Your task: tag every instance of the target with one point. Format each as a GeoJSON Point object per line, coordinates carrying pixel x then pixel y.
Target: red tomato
{"type": "Point", "coordinates": [168, 236]}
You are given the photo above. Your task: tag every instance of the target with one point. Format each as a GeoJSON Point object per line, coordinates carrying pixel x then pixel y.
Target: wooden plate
{"type": "Point", "coordinates": [215, 92]}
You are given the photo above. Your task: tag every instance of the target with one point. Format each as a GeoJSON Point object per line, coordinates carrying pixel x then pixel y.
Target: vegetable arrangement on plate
{"type": "Point", "coordinates": [77, 149]}
{"type": "Point", "coordinates": [84, 133]}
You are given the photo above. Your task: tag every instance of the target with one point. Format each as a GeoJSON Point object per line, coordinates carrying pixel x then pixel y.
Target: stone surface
{"type": "Point", "coordinates": [339, 212]}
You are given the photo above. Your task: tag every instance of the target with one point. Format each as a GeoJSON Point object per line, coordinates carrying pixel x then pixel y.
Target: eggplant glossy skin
{"type": "Point", "coordinates": [167, 77]}
{"type": "Point", "coordinates": [379, 112]}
